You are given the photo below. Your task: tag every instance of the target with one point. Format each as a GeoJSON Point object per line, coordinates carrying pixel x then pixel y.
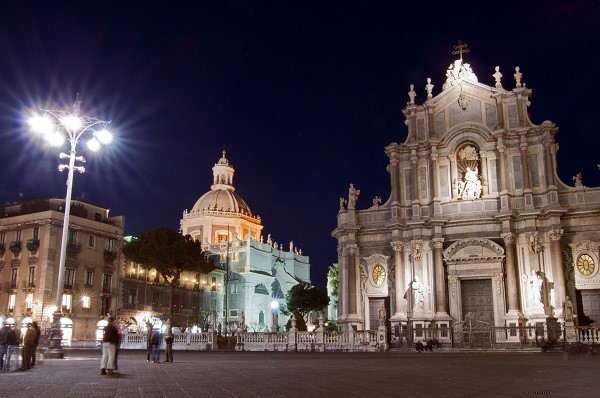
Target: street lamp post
{"type": "Point", "coordinates": [55, 126]}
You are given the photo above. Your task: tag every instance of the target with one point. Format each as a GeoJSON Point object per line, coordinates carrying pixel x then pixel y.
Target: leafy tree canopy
{"type": "Point", "coordinates": [304, 298]}
{"type": "Point", "coordinates": [169, 253]}
{"type": "Point", "coordinates": [333, 278]}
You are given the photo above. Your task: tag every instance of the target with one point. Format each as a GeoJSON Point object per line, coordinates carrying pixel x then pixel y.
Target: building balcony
{"type": "Point", "coordinates": [109, 255]}
{"type": "Point", "coordinates": [33, 245]}
{"type": "Point", "coordinates": [73, 247]}
{"type": "Point", "coordinates": [2, 249]}
{"type": "Point", "coordinates": [15, 247]}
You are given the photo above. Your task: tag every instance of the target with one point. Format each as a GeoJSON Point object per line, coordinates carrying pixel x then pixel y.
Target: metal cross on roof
{"type": "Point", "coordinates": [460, 48]}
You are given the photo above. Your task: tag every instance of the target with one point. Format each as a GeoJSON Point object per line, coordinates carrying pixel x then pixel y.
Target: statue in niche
{"type": "Point", "coordinates": [418, 293]}
{"type": "Point", "coordinates": [535, 285]}
{"type": "Point", "coordinates": [364, 276]}
{"type": "Point", "coordinates": [382, 315]}
{"type": "Point", "coordinates": [470, 186]}
{"type": "Point", "coordinates": [534, 246]}
{"type": "Point", "coordinates": [568, 310]}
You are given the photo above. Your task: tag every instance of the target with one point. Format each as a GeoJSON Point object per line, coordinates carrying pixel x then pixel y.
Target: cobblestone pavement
{"type": "Point", "coordinates": [280, 374]}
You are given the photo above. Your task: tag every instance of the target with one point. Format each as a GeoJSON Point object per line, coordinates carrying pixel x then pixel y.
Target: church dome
{"type": "Point", "coordinates": [221, 196]}
{"type": "Point", "coordinates": [222, 200]}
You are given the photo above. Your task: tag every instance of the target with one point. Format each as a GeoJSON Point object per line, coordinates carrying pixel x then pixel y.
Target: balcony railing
{"type": "Point", "coordinates": [109, 255]}
{"type": "Point", "coordinates": [33, 244]}
{"type": "Point", "coordinates": [2, 249]}
{"type": "Point", "coordinates": [15, 247]}
{"type": "Point", "coordinates": [73, 247]}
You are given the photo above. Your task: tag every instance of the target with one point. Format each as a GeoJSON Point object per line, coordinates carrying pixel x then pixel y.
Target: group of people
{"type": "Point", "coordinates": [11, 338]}
{"type": "Point", "coordinates": [429, 345]}
{"type": "Point", "coordinates": [111, 341]}
{"type": "Point", "coordinates": [154, 342]}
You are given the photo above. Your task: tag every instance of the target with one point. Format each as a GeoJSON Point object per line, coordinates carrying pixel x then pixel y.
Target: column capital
{"type": "Point", "coordinates": [417, 250]}
{"type": "Point", "coordinates": [397, 245]}
{"type": "Point", "coordinates": [509, 238]}
{"type": "Point", "coordinates": [501, 148]}
{"type": "Point", "coordinates": [556, 234]}
{"type": "Point", "coordinates": [351, 248]}
{"type": "Point", "coordinates": [438, 243]}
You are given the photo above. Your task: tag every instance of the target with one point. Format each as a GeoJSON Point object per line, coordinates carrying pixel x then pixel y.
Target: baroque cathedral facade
{"type": "Point", "coordinates": [478, 224]}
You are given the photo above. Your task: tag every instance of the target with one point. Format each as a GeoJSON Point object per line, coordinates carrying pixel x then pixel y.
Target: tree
{"type": "Point", "coordinates": [304, 298]}
{"type": "Point", "coordinates": [170, 254]}
{"type": "Point", "coordinates": [333, 278]}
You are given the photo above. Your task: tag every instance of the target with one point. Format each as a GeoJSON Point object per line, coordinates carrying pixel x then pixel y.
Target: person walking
{"type": "Point", "coordinates": [11, 341]}
{"type": "Point", "coordinates": [110, 339]}
{"type": "Point", "coordinates": [37, 331]}
{"type": "Point", "coordinates": [155, 341]}
{"type": "Point", "coordinates": [28, 344]}
{"type": "Point", "coordinates": [2, 347]}
{"type": "Point", "coordinates": [169, 347]}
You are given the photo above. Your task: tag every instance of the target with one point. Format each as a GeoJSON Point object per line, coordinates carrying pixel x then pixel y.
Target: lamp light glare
{"type": "Point", "coordinates": [104, 136]}
{"type": "Point", "coordinates": [55, 138]}
{"type": "Point", "coordinates": [72, 122]}
{"type": "Point", "coordinates": [274, 305]}
{"type": "Point", "coordinates": [41, 124]}
{"type": "Point", "coordinates": [93, 145]}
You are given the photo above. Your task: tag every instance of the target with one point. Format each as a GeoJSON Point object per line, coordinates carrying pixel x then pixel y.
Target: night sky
{"type": "Point", "coordinates": [302, 95]}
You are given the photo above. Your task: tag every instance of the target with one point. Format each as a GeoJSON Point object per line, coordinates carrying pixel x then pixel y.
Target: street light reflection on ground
{"type": "Point", "coordinates": [56, 126]}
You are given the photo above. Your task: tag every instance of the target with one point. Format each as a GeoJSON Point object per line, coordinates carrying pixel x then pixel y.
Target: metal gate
{"type": "Point", "coordinates": [472, 333]}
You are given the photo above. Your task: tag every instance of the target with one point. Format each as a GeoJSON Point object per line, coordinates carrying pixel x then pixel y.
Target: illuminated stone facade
{"type": "Point", "coordinates": [477, 222]}
{"type": "Point", "coordinates": [30, 243]}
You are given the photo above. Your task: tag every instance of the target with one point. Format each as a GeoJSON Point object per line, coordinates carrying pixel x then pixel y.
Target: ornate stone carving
{"type": "Point", "coordinates": [533, 242]}
{"type": "Point", "coordinates": [351, 248]}
{"type": "Point", "coordinates": [509, 238]}
{"type": "Point", "coordinates": [452, 281]}
{"type": "Point", "coordinates": [397, 245]}
{"type": "Point", "coordinates": [556, 234]}
{"type": "Point", "coordinates": [417, 250]}
{"type": "Point", "coordinates": [438, 243]}
{"type": "Point", "coordinates": [352, 196]}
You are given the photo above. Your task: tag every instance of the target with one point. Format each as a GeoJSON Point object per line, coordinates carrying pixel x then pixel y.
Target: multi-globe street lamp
{"type": "Point", "coordinates": [55, 126]}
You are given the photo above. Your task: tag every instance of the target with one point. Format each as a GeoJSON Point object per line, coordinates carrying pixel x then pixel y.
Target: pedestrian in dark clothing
{"type": "Point", "coordinates": [3, 332]}
{"type": "Point", "coordinates": [28, 344]}
{"type": "Point", "coordinates": [36, 328]}
{"type": "Point", "coordinates": [117, 349]}
{"type": "Point", "coordinates": [155, 341]}
{"type": "Point", "coordinates": [11, 342]}
{"type": "Point", "coordinates": [110, 340]}
{"type": "Point", "coordinates": [148, 341]}
{"type": "Point", "coordinates": [419, 347]}
{"type": "Point", "coordinates": [169, 347]}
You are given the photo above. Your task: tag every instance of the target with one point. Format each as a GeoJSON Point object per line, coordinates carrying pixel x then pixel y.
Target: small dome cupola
{"type": "Point", "coordinates": [223, 175]}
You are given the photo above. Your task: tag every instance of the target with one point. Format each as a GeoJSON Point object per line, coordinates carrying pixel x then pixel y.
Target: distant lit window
{"type": "Point", "coordinates": [69, 277]}
{"type": "Point", "coordinates": [86, 302]}
{"type": "Point", "coordinates": [235, 256]}
{"type": "Point", "coordinates": [67, 301]}
{"type": "Point", "coordinates": [29, 301]}
{"type": "Point", "coordinates": [12, 299]}
{"type": "Point", "coordinates": [233, 313]}
{"type": "Point", "coordinates": [222, 237]}
{"type": "Point", "coordinates": [31, 277]}
{"type": "Point", "coordinates": [233, 288]}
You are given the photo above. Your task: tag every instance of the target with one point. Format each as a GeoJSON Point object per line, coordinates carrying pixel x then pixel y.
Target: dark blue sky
{"type": "Point", "coordinates": [303, 95]}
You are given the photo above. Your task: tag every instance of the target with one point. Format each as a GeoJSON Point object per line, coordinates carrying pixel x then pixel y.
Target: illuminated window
{"type": "Point", "coordinates": [132, 296]}
{"type": "Point", "coordinates": [222, 237]}
{"type": "Point", "coordinates": [12, 299]}
{"type": "Point", "coordinates": [29, 301]}
{"type": "Point", "coordinates": [213, 284]}
{"type": "Point", "coordinates": [223, 257]}
{"type": "Point", "coordinates": [67, 300]}
{"type": "Point", "coordinates": [235, 256]}
{"type": "Point", "coordinates": [14, 274]}
{"type": "Point", "coordinates": [233, 288]}
{"type": "Point", "coordinates": [86, 302]}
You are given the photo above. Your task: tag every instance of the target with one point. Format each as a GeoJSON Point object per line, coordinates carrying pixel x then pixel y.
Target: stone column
{"type": "Point", "coordinates": [440, 288]}
{"type": "Point", "coordinates": [511, 272]}
{"type": "Point", "coordinates": [557, 271]}
{"type": "Point", "coordinates": [342, 288]}
{"type": "Point", "coordinates": [400, 280]}
{"type": "Point", "coordinates": [525, 166]}
{"type": "Point", "coordinates": [351, 260]}
{"type": "Point", "coordinates": [394, 161]}
{"type": "Point", "coordinates": [501, 151]}
{"type": "Point", "coordinates": [484, 172]}
{"type": "Point", "coordinates": [453, 175]}
{"type": "Point", "coordinates": [434, 174]}
{"type": "Point", "coordinates": [415, 163]}
{"type": "Point", "coordinates": [549, 172]}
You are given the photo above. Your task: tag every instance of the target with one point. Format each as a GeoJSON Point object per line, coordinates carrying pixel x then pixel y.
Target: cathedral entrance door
{"type": "Point", "coordinates": [477, 299]}
{"type": "Point", "coordinates": [374, 306]}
